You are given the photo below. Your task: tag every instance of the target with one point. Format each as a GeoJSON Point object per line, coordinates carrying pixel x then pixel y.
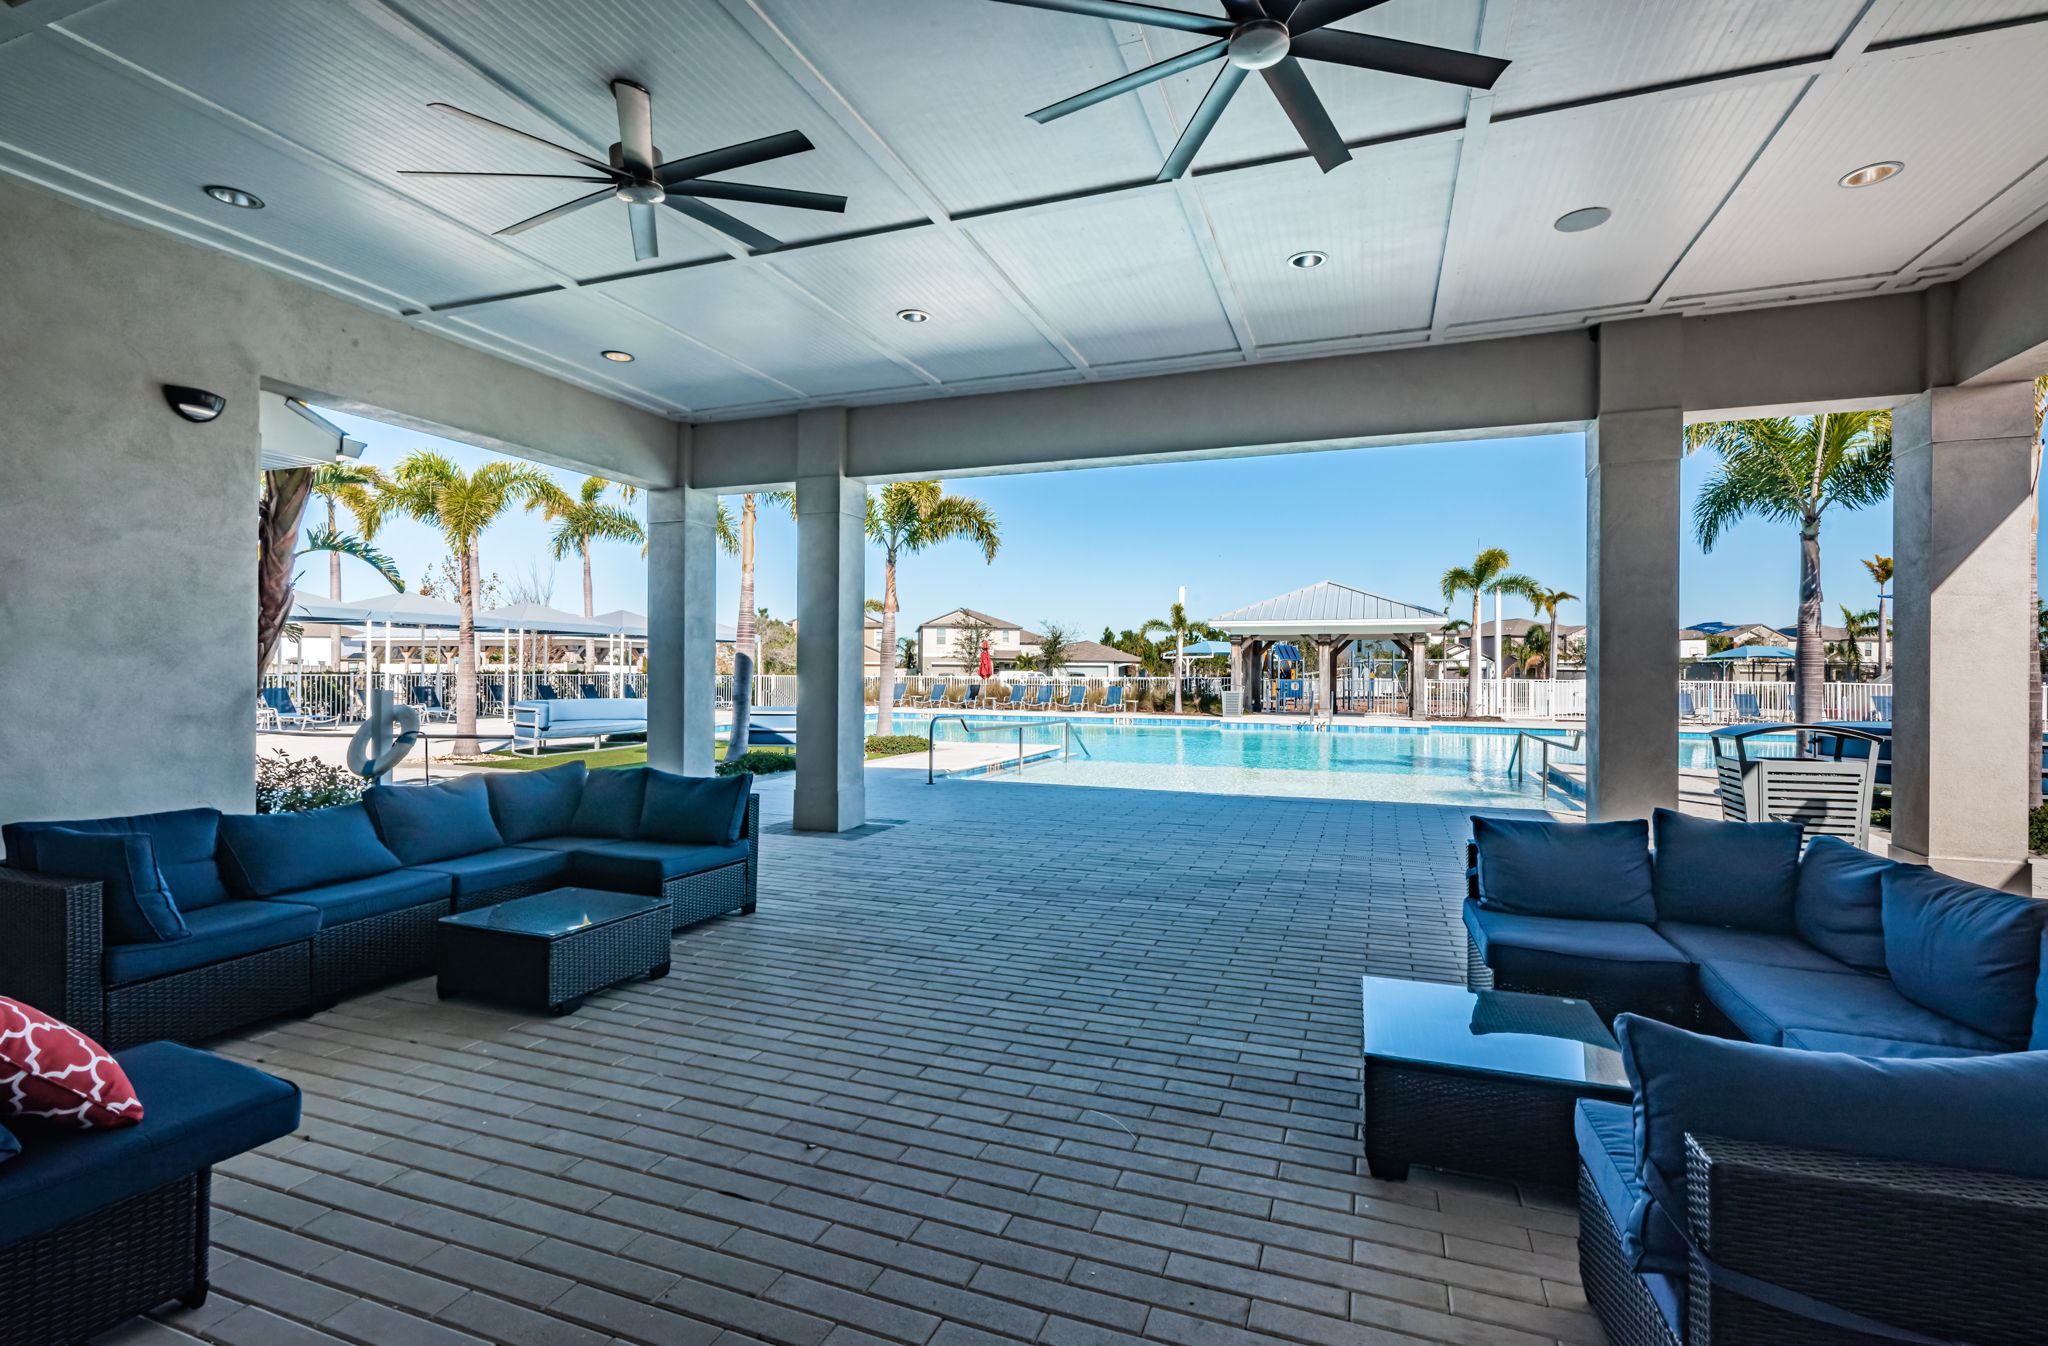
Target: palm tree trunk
{"type": "Point", "coordinates": [465, 657]}
{"type": "Point", "coordinates": [589, 608]}
{"type": "Point", "coordinates": [333, 558]}
{"type": "Point", "coordinates": [1810, 661]}
{"type": "Point", "coordinates": [744, 637]}
{"type": "Point", "coordinates": [885, 690]}
{"type": "Point", "coordinates": [1550, 651]}
{"type": "Point", "coordinates": [277, 534]}
{"type": "Point", "coordinates": [1884, 642]}
{"type": "Point", "coordinates": [1472, 661]}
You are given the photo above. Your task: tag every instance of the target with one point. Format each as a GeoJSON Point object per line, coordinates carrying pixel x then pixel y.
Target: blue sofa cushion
{"type": "Point", "coordinates": [425, 823]}
{"type": "Point", "coordinates": [611, 803]}
{"type": "Point", "coordinates": [1981, 1112]}
{"type": "Point", "coordinates": [494, 869]}
{"type": "Point", "coordinates": [643, 866]}
{"type": "Point", "coordinates": [198, 1109]}
{"type": "Point", "coordinates": [528, 804]}
{"type": "Point", "coordinates": [1606, 1136]}
{"type": "Point", "coordinates": [555, 843]}
{"type": "Point", "coordinates": [185, 841]}
{"type": "Point", "coordinates": [1719, 944]}
{"type": "Point", "coordinates": [340, 903]}
{"type": "Point", "coordinates": [1967, 952]}
{"type": "Point", "coordinates": [1764, 1003]}
{"type": "Point", "coordinates": [265, 854]}
{"type": "Point", "coordinates": [1721, 873]}
{"type": "Point", "coordinates": [695, 810]}
{"type": "Point", "coordinates": [10, 1145]}
{"type": "Point", "coordinates": [134, 902]}
{"type": "Point", "coordinates": [1818, 1040]}
{"type": "Point", "coordinates": [1615, 962]}
{"type": "Point", "coordinates": [222, 931]}
{"type": "Point", "coordinates": [1838, 907]}
{"type": "Point", "coordinates": [1592, 871]}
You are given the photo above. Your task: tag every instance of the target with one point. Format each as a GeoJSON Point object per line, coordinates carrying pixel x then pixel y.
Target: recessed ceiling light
{"type": "Point", "coordinates": [1873, 173]}
{"type": "Point", "coordinates": [235, 196]}
{"type": "Point", "coordinates": [1308, 261]}
{"type": "Point", "coordinates": [1578, 221]}
{"type": "Point", "coordinates": [623, 357]}
{"type": "Point", "coordinates": [913, 315]}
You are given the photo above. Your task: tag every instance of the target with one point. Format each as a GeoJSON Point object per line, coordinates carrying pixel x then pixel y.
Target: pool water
{"type": "Point", "coordinates": [1405, 765]}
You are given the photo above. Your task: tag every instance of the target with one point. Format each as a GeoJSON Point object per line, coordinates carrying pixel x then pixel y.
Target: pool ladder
{"type": "Point", "coordinates": [1572, 740]}
{"type": "Point", "coordinates": [931, 747]}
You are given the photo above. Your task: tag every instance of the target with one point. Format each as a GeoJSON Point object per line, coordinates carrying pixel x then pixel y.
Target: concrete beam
{"type": "Point", "coordinates": [831, 715]}
{"type": "Point", "coordinates": [2000, 333]}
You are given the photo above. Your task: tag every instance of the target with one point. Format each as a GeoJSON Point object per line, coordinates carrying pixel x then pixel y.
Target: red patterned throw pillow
{"type": "Point", "coordinates": [53, 1072]}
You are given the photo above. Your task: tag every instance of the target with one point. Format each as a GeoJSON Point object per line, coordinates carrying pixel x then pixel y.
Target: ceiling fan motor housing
{"type": "Point", "coordinates": [1259, 44]}
{"type": "Point", "coordinates": [646, 192]}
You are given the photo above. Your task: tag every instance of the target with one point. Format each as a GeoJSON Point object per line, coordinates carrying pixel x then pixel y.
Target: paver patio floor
{"type": "Point", "coordinates": [1028, 1064]}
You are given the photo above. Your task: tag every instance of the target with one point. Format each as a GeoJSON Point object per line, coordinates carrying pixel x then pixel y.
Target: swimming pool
{"type": "Point", "coordinates": [1460, 766]}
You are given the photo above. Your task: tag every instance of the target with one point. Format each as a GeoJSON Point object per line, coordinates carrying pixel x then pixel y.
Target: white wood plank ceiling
{"type": "Point", "coordinates": [1715, 131]}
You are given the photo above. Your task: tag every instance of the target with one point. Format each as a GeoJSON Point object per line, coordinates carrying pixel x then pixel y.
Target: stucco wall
{"type": "Point", "coordinates": [127, 566]}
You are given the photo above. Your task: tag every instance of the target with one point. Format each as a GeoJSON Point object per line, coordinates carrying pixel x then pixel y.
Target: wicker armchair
{"type": "Point", "coordinates": [699, 897]}
{"type": "Point", "coordinates": [1950, 1254]}
{"type": "Point", "coordinates": [52, 958]}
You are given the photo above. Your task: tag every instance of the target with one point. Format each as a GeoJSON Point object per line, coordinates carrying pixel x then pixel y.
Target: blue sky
{"type": "Point", "coordinates": [1110, 546]}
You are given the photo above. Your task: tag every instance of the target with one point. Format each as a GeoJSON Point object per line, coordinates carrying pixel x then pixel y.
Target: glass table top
{"type": "Point", "coordinates": [553, 915]}
{"type": "Point", "coordinates": [1495, 1032]}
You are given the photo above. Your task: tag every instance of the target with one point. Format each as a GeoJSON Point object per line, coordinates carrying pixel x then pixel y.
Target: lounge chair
{"type": "Point", "coordinates": [590, 691]}
{"type": "Point", "coordinates": [1017, 695]}
{"type": "Point", "coordinates": [288, 715]}
{"type": "Point", "coordinates": [1748, 706]}
{"type": "Point", "coordinates": [1042, 699]}
{"type": "Point", "coordinates": [426, 699]}
{"type": "Point", "coordinates": [896, 697]}
{"type": "Point", "coordinates": [933, 696]}
{"type": "Point", "coordinates": [1077, 697]}
{"type": "Point", "coordinates": [1883, 704]}
{"type": "Point", "coordinates": [544, 692]}
{"type": "Point", "coordinates": [1113, 699]}
{"type": "Point", "coordinates": [627, 691]}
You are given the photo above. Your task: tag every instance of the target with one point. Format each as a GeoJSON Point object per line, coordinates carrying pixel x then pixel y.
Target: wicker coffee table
{"type": "Point", "coordinates": [1480, 1081]}
{"type": "Point", "coordinates": [549, 951]}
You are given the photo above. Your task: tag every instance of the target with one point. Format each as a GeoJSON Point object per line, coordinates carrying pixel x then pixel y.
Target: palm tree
{"type": "Point", "coordinates": [1880, 568]}
{"type": "Point", "coordinates": [1545, 602]}
{"type": "Point", "coordinates": [1488, 574]}
{"type": "Point", "coordinates": [429, 487]}
{"type": "Point", "coordinates": [1177, 630]}
{"type": "Point", "coordinates": [354, 486]}
{"type": "Point", "coordinates": [906, 517]}
{"type": "Point", "coordinates": [1792, 470]}
{"type": "Point", "coordinates": [1856, 628]}
{"type": "Point", "coordinates": [588, 517]}
{"type": "Point", "coordinates": [745, 631]}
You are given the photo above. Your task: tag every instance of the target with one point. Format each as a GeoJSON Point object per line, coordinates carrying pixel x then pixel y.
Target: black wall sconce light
{"type": "Point", "coordinates": [194, 404]}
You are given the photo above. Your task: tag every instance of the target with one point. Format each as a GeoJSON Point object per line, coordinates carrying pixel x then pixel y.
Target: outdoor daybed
{"type": "Point", "coordinates": [1871, 1165]}
{"type": "Point", "coordinates": [188, 924]}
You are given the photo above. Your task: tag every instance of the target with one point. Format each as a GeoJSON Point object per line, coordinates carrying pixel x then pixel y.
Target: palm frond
{"type": "Point", "coordinates": [347, 544]}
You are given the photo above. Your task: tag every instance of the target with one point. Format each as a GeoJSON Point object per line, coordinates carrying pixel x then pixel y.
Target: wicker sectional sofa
{"type": "Point", "coordinates": [1840, 1132]}
{"type": "Point", "coordinates": [285, 912]}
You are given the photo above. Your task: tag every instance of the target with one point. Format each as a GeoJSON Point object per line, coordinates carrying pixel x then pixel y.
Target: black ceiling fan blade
{"type": "Point", "coordinates": [760, 196]}
{"type": "Point", "coordinates": [640, 219]}
{"type": "Point", "coordinates": [743, 155]}
{"type": "Point", "coordinates": [636, 130]}
{"type": "Point", "coordinates": [1137, 79]}
{"type": "Point", "coordinates": [724, 223]}
{"type": "Point", "coordinates": [1400, 58]}
{"type": "Point", "coordinates": [1125, 12]}
{"type": "Point", "coordinates": [1203, 122]}
{"type": "Point", "coordinates": [566, 208]}
{"type": "Point", "coordinates": [446, 173]}
{"type": "Point", "coordinates": [1309, 15]}
{"type": "Point", "coordinates": [577, 155]}
{"type": "Point", "coordinates": [1289, 83]}
{"type": "Point", "coordinates": [1244, 11]}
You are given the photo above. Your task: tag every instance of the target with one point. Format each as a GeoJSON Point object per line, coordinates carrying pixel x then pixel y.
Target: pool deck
{"type": "Point", "coordinates": [1003, 1068]}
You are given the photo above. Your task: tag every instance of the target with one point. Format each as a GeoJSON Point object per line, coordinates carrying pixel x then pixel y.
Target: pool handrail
{"type": "Point", "coordinates": [1570, 740]}
{"type": "Point", "coordinates": [931, 743]}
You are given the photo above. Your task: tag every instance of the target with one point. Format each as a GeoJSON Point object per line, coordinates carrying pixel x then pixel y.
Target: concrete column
{"type": "Point", "coordinates": [1418, 677]}
{"type": "Point", "coordinates": [1963, 510]}
{"type": "Point", "coordinates": [682, 595]}
{"type": "Point", "coordinates": [1326, 677]}
{"type": "Point", "coordinates": [1632, 453]}
{"type": "Point", "coordinates": [831, 513]}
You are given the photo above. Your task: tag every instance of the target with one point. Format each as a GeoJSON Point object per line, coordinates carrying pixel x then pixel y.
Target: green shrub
{"type": "Point", "coordinates": [2037, 830]}
{"type": "Point", "coordinates": [287, 784]}
{"type": "Point", "coordinates": [1881, 809]}
{"type": "Point", "coordinates": [759, 761]}
{"type": "Point", "coordinates": [895, 745]}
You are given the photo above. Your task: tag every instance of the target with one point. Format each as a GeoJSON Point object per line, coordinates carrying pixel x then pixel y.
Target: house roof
{"type": "Point", "coordinates": [963, 616]}
{"type": "Point", "coordinates": [1094, 652]}
{"type": "Point", "coordinates": [1328, 608]}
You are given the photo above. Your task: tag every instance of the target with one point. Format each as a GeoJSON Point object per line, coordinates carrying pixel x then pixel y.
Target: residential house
{"type": "Point", "coordinates": [946, 647]}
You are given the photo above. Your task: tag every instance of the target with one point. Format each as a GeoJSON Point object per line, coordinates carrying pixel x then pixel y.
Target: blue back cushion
{"type": "Point", "coordinates": [184, 840]}
{"type": "Point", "coordinates": [425, 823]}
{"type": "Point", "coordinates": [265, 854]}
{"type": "Point", "coordinates": [1968, 952]}
{"type": "Point", "coordinates": [611, 803]}
{"type": "Point", "coordinates": [695, 810]}
{"type": "Point", "coordinates": [9, 1146]}
{"type": "Point", "coordinates": [1979, 1112]}
{"type": "Point", "coordinates": [1721, 873]}
{"type": "Point", "coordinates": [1838, 906]}
{"type": "Point", "coordinates": [529, 804]}
{"type": "Point", "coordinates": [1595, 871]}
{"type": "Point", "coordinates": [136, 907]}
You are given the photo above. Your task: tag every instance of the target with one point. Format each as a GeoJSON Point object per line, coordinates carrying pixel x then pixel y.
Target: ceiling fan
{"type": "Point", "coordinates": [1267, 36]}
{"type": "Point", "coordinates": [635, 176]}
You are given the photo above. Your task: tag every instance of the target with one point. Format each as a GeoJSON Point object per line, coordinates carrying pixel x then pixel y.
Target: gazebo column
{"type": "Point", "coordinates": [1963, 512]}
{"type": "Point", "coordinates": [1632, 455]}
{"type": "Point", "coordinates": [1237, 676]}
{"type": "Point", "coordinates": [1418, 676]}
{"type": "Point", "coordinates": [1326, 677]}
{"type": "Point", "coordinates": [682, 573]}
{"type": "Point", "coordinates": [831, 516]}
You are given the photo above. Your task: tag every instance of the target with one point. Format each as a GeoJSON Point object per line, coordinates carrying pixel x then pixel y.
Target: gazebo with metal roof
{"type": "Point", "coordinates": [1324, 620]}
